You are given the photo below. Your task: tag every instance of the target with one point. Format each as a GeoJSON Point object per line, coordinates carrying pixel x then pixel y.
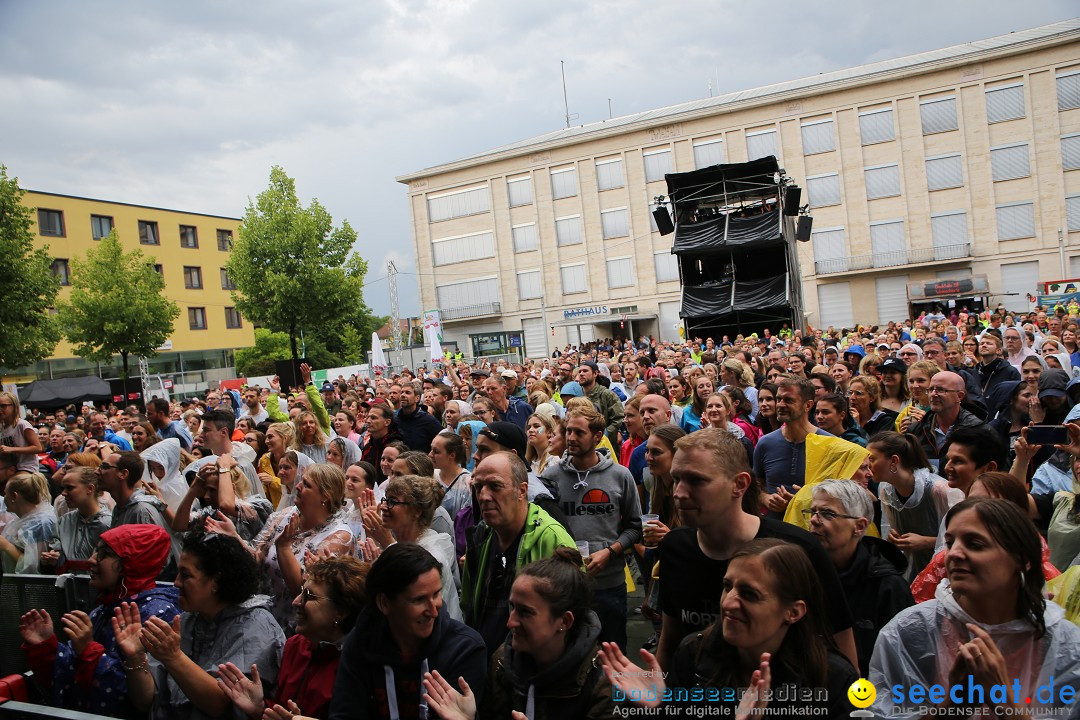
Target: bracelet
{"type": "Point", "coordinates": [144, 667]}
{"type": "Point", "coordinates": [610, 550]}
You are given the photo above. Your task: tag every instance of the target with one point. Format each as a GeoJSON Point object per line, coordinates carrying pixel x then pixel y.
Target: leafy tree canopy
{"type": "Point", "coordinates": [27, 286]}
{"type": "Point", "coordinates": [116, 304]}
{"type": "Point", "coordinates": [270, 346]}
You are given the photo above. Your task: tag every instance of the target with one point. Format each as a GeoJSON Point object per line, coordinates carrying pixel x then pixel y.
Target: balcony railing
{"type": "Point", "coordinates": [893, 259]}
{"type": "Point", "coordinates": [471, 311]}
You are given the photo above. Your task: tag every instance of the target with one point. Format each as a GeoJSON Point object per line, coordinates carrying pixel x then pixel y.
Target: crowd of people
{"type": "Point", "coordinates": [805, 509]}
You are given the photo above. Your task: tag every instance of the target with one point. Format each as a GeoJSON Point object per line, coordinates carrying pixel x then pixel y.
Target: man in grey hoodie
{"type": "Point", "coordinates": [600, 501]}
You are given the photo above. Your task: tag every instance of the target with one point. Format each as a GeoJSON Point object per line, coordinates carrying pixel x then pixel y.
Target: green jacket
{"type": "Point", "coordinates": [542, 535]}
{"type": "Point", "coordinates": [612, 408]}
{"type": "Point", "coordinates": [273, 409]}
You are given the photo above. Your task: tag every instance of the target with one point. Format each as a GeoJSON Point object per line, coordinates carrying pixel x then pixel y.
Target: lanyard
{"type": "Point", "coordinates": [391, 692]}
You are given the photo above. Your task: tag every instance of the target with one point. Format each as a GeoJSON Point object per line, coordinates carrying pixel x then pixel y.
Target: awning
{"type": "Point", "coordinates": [600, 319]}
{"type": "Point", "coordinates": [57, 393]}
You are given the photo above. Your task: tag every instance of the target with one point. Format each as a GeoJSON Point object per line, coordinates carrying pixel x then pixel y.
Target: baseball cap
{"type": "Point", "coordinates": [480, 372]}
{"type": "Point", "coordinates": [591, 365]}
{"type": "Point", "coordinates": [572, 389]}
{"type": "Point", "coordinates": [894, 365]}
{"type": "Point", "coordinates": [507, 434]}
{"type": "Point", "coordinates": [509, 374]}
{"type": "Point", "coordinates": [327, 387]}
{"type": "Point", "coordinates": [1052, 383]}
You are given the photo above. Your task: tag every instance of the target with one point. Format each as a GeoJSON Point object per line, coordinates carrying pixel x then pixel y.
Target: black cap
{"type": "Point", "coordinates": [1052, 383]}
{"type": "Point", "coordinates": [591, 365]}
{"type": "Point", "coordinates": [509, 435]}
{"type": "Point", "coordinates": [480, 372]}
{"type": "Point", "coordinates": [893, 365]}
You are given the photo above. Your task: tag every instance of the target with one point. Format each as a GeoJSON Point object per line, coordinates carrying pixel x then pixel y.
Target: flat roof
{"type": "Point", "coordinates": [1053, 34]}
{"type": "Point", "coordinates": [146, 207]}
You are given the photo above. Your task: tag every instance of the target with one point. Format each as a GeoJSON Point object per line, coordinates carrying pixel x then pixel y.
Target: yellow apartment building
{"type": "Point", "coordinates": [189, 250]}
{"type": "Point", "coordinates": [959, 162]}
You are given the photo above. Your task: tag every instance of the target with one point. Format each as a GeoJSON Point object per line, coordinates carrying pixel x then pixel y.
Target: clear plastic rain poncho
{"type": "Point", "coordinates": [171, 484]}
{"type": "Point", "coordinates": [920, 646]}
{"type": "Point", "coordinates": [288, 499]}
{"type": "Point", "coordinates": [30, 533]}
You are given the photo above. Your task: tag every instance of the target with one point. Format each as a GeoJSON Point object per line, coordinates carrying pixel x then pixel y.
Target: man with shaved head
{"type": "Point", "coordinates": [947, 395]}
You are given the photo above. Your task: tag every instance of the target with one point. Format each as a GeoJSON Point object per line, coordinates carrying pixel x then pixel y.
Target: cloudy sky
{"type": "Point", "coordinates": [187, 105]}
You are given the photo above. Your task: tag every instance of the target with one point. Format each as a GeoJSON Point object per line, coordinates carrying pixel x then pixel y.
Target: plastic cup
{"type": "Point", "coordinates": [646, 519]}
{"type": "Point", "coordinates": [583, 548]}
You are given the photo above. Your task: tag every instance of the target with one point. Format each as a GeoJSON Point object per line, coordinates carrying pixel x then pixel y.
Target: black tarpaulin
{"type": "Point", "coordinates": [57, 393]}
{"type": "Point", "coordinates": [688, 185]}
{"type": "Point", "coordinates": [726, 231]}
{"type": "Point", "coordinates": [728, 297]}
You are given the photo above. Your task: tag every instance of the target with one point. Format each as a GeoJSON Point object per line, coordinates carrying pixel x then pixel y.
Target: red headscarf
{"type": "Point", "coordinates": [143, 551]}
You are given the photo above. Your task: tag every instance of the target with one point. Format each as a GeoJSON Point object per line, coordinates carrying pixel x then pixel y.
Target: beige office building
{"type": "Point", "coordinates": [963, 161]}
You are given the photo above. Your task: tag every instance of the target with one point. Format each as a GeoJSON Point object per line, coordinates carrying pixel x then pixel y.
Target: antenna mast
{"type": "Point", "coordinates": [395, 310]}
{"type": "Point", "coordinates": [566, 103]}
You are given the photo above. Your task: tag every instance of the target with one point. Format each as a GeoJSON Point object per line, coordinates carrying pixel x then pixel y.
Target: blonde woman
{"type": "Point", "coordinates": [310, 438]}
{"type": "Point", "coordinates": [279, 437]}
{"type": "Point", "coordinates": [17, 436]}
{"type": "Point", "coordinates": [736, 372]}
{"type": "Point", "coordinates": [538, 430]}
{"type": "Point", "coordinates": [25, 538]}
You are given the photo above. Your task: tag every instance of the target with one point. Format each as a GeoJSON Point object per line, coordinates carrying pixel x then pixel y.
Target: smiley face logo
{"type": "Point", "coordinates": [862, 693]}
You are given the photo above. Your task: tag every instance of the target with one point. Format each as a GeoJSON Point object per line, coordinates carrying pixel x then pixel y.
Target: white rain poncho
{"type": "Point", "coordinates": [171, 484]}
{"type": "Point", "coordinates": [920, 646]}
{"type": "Point", "coordinates": [288, 498]}
{"type": "Point", "coordinates": [31, 534]}
{"type": "Point", "coordinates": [922, 513]}
{"type": "Point", "coordinates": [348, 450]}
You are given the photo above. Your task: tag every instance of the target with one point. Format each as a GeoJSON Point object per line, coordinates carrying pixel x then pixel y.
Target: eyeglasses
{"type": "Point", "coordinates": [307, 596]}
{"type": "Point", "coordinates": [940, 390]}
{"type": "Point", "coordinates": [826, 515]}
{"type": "Point", "coordinates": [391, 503]}
{"type": "Point", "coordinates": [107, 466]}
{"type": "Point", "coordinates": [4, 405]}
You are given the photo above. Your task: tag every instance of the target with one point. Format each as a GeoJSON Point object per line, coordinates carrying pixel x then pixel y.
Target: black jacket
{"type": "Point", "coordinates": [417, 429]}
{"type": "Point", "coordinates": [876, 591]}
{"type": "Point", "coordinates": [993, 374]}
{"type": "Point", "coordinates": [454, 649]}
{"type": "Point", "coordinates": [924, 429]}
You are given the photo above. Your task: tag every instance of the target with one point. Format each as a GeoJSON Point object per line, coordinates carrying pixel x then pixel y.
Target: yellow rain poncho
{"type": "Point", "coordinates": [827, 457]}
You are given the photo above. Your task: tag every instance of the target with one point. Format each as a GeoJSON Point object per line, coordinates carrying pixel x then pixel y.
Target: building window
{"type": "Point", "coordinates": [568, 230]}
{"type": "Point", "coordinates": [192, 277]}
{"type": "Point", "coordinates": [609, 174]}
{"type": "Point", "coordinates": [657, 164]}
{"type": "Point", "coordinates": [1072, 213]}
{"type": "Point", "coordinates": [708, 153]}
{"type": "Point", "coordinates": [945, 171]}
{"type": "Point", "coordinates": [1005, 103]}
{"type": "Point", "coordinates": [823, 190]}
{"type": "Point", "coordinates": [938, 115]}
{"type": "Point", "coordinates": [189, 237]}
{"type": "Point", "coordinates": [1015, 220]}
{"type": "Point", "coordinates": [620, 272]}
{"type": "Point", "coordinates": [876, 126]}
{"type": "Point", "coordinates": [1068, 90]}
{"type": "Point", "coordinates": [160, 270]}
{"type": "Point", "coordinates": [196, 318]}
{"type": "Point", "coordinates": [458, 203]}
{"type": "Point", "coordinates": [1009, 162]}
{"type": "Point", "coordinates": [50, 223]}
{"type": "Point", "coordinates": [468, 292]}
{"type": "Point", "coordinates": [830, 250]}
{"type": "Point", "coordinates": [232, 319]}
{"type": "Point", "coordinates": [529, 285]}
{"type": "Point", "coordinates": [1070, 152]}
{"type": "Point", "coordinates": [520, 190]}
{"type": "Point", "coordinates": [818, 137]}
{"type": "Point", "coordinates": [950, 235]}
{"type": "Point", "coordinates": [447, 251]}
{"type": "Point", "coordinates": [564, 182]}
{"type": "Point", "coordinates": [888, 243]}
{"type": "Point", "coordinates": [762, 143]}
{"type": "Point", "coordinates": [100, 226]}
{"type": "Point", "coordinates": [224, 240]}
{"type": "Point", "coordinates": [573, 278]}
{"type": "Point", "coordinates": [667, 266]}
{"type": "Point", "coordinates": [226, 281]}
{"type": "Point", "coordinates": [882, 181]}
{"type": "Point", "coordinates": [148, 234]}
{"type": "Point", "coordinates": [61, 271]}
{"type": "Point", "coordinates": [615, 223]}
{"type": "Point", "coordinates": [525, 237]}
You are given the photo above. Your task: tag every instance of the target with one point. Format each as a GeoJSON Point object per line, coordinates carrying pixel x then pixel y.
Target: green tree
{"type": "Point", "coordinates": [293, 269]}
{"type": "Point", "coordinates": [27, 286]}
{"type": "Point", "coordinates": [270, 346]}
{"type": "Point", "coordinates": [116, 305]}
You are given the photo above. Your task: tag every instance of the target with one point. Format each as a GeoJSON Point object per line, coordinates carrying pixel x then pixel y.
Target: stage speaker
{"type": "Point", "coordinates": [663, 221]}
{"type": "Point", "coordinates": [803, 228]}
{"type": "Point", "coordinates": [288, 371]}
{"type": "Point", "coordinates": [792, 195]}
